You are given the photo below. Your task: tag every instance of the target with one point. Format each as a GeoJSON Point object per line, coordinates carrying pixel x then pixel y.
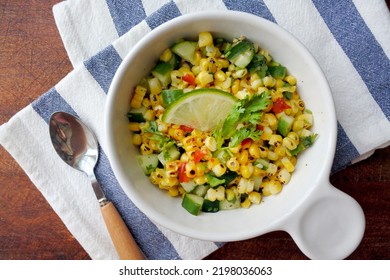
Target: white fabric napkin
{"type": "Point", "coordinates": [349, 39]}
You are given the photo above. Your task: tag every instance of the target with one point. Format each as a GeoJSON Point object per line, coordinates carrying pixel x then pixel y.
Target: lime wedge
{"type": "Point", "coordinates": [201, 109]}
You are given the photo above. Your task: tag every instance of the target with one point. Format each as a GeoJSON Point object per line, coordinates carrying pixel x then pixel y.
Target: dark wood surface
{"type": "Point", "coordinates": [32, 60]}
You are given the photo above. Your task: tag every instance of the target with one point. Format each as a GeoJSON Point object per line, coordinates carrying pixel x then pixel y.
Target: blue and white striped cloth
{"type": "Point", "coordinates": [349, 38]}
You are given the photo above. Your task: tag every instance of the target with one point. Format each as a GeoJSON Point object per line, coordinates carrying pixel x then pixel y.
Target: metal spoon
{"type": "Point", "coordinates": [75, 143]}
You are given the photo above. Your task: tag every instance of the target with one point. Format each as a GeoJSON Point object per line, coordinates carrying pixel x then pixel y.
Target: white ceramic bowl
{"type": "Point", "coordinates": [324, 222]}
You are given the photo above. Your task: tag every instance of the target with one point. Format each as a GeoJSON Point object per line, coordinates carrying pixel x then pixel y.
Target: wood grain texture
{"type": "Point", "coordinates": [32, 60]}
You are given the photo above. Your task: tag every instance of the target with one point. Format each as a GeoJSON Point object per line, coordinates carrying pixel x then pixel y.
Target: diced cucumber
{"type": "Point", "coordinates": [189, 186]}
{"type": "Point", "coordinates": [285, 124]}
{"type": "Point", "coordinates": [210, 206]}
{"type": "Point", "coordinates": [175, 61]}
{"type": "Point", "coordinates": [148, 163]}
{"type": "Point", "coordinates": [278, 72]}
{"type": "Point", "coordinates": [214, 181]}
{"type": "Point", "coordinates": [241, 54]}
{"type": "Point", "coordinates": [162, 71]}
{"type": "Point", "coordinates": [186, 50]}
{"type": "Point", "coordinates": [169, 154]}
{"type": "Point", "coordinates": [137, 114]}
{"type": "Point", "coordinates": [170, 95]}
{"type": "Point", "coordinates": [200, 190]}
{"type": "Point", "coordinates": [228, 176]}
{"type": "Point", "coordinates": [227, 205]}
{"type": "Point", "coordinates": [192, 203]}
{"type": "Point", "coordinates": [258, 65]}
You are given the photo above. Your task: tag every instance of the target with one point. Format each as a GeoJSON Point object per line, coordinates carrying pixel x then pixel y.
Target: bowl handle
{"type": "Point", "coordinates": [329, 226]}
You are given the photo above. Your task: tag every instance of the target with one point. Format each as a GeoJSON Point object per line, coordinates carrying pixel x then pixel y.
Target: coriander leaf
{"type": "Point", "coordinates": [244, 133]}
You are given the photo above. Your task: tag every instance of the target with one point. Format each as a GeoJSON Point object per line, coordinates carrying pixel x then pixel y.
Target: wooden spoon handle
{"type": "Point", "coordinates": [124, 242]}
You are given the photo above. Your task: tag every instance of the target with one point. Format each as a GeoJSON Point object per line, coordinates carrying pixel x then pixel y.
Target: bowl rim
{"type": "Point", "coordinates": [136, 199]}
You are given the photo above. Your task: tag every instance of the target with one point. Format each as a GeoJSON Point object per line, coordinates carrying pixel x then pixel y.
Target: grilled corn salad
{"type": "Point", "coordinates": [249, 153]}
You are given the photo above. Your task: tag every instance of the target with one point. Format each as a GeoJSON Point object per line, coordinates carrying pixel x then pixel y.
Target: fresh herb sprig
{"type": "Point", "coordinates": [241, 123]}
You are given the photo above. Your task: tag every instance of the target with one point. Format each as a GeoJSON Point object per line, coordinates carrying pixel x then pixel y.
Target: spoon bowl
{"type": "Point", "coordinates": [77, 146]}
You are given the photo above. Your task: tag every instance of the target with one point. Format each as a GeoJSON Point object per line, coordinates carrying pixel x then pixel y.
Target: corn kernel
{"type": "Point", "coordinates": [136, 139]}
{"type": "Point", "coordinates": [219, 169]}
{"type": "Point", "coordinates": [287, 164]}
{"type": "Point", "coordinates": [254, 197]}
{"type": "Point", "coordinates": [246, 203]}
{"type": "Point", "coordinates": [166, 55]}
{"type": "Point", "coordinates": [205, 39]}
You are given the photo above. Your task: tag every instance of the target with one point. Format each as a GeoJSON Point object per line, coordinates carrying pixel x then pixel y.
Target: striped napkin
{"type": "Point", "coordinates": [348, 38]}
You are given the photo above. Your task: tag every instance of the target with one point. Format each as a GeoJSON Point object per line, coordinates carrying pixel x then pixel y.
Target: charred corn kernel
{"type": "Point", "coordinates": [271, 169]}
{"type": "Point", "coordinates": [246, 170]}
{"type": "Point", "coordinates": [220, 76]}
{"type": "Point", "coordinates": [240, 73]}
{"type": "Point", "coordinates": [169, 182]}
{"type": "Point", "coordinates": [211, 143]}
{"type": "Point", "coordinates": [271, 187]}
{"type": "Point", "coordinates": [181, 190]}
{"type": "Point", "coordinates": [232, 164]}
{"type": "Point", "coordinates": [154, 145]}
{"type": "Point", "coordinates": [263, 152]}
{"type": "Point", "coordinates": [146, 103]}
{"type": "Point", "coordinates": [272, 155]}
{"type": "Point", "coordinates": [222, 63]}
{"type": "Point", "coordinates": [200, 180]}
{"type": "Point", "coordinates": [219, 169]}
{"type": "Point", "coordinates": [307, 119]}
{"type": "Point", "coordinates": [166, 55]}
{"type": "Point", "coordinates": [149, 115]}
{"type": "Point", "coordinates": [301, 105]}
{"type": "Point", "coordinates": [258, 172]}
{"type": "Point", "coordinates": [134, 126]}
{"type": "Point", "coordinates": [256, 84]}
{"type": "Point", "coordinates": [184, 157]}
{"type": "Point", "coordinates": [211, 163]}
{"type": "Point", "coordinates": [287, 164]}
{"type": "Point", "coordinates": [298, 125]}
{"type": "Point", "coordinates": [280, 151]}
{"type": "Point", "coordinates": [270, 120]}
{"type": "Point", "coordinates": [243, 157]}
{"type": "Point", "coordinates": [154, 85]}
{"type": "Point", "coordinates": [174, 191]}
{"type": "Point", "coordinates": [284, 176]}
{"type": "Point", "coordinates": [279, 83]}
{"type": "Point", "coordinates": [212, 52]}
{"type": "Point", "coordinates": [171, 173]}
{"type": "Point", "coordinates": [267, 133]}
{"type": "Point", "coordinates": [146, 149]}
{"type": "Point", "coordinates": [205, 39]}
{"type": "Point", "coordinates": [154, 99]}
{"type": "Point", "coordinates": [173, 165]}
{"type": "Point", "coordinates": [245, 185]}
{"type": "Point", "coordinates": [235, 149]}
{"type": "Point", "coordinates": [254, 197]}
{"type": "Point", "coordinates": [291, 80]}
{"type": "Point", "coordinates": [199, 169]}
{"type": "Point", "coordinates": [156, 176]}
{"type": "Point", "coordinates": [254, 150]}
{"type": "Point", "coordinates": [235, 86]}
{"type": "Point", "coordinates": [246, 203]}
{"type": "Point", "coordinates": [275, 140]}
{"type": "Point", "coordinates": [230, 195]}
{"type": "Point", "coordinates": [269, 81]}
{"type": "Point", "coordinates": [293, 136]}
{"type": "Point", "coordinates": [176, 133]}
{"type": "Point", "coordinates": [220, 193]}
{"type": "Point", "coordinates": [136, 139]}
{"type": "Point", "coordinates": [204, 78]}
{"type": "Point", "coordinates": [196, 70]}
{"type": "Point", "coordinates": [289, 143]}
{"type": "Point", "coordinates": [211, 194]}
{"type": "Point", "coordinates": [138, 96]}
{"type": "Point", "coordinates": [190, 169]}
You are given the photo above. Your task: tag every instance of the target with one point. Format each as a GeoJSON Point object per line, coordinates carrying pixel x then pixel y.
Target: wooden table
{"type": "Point", "coordinates": [32, 60]}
